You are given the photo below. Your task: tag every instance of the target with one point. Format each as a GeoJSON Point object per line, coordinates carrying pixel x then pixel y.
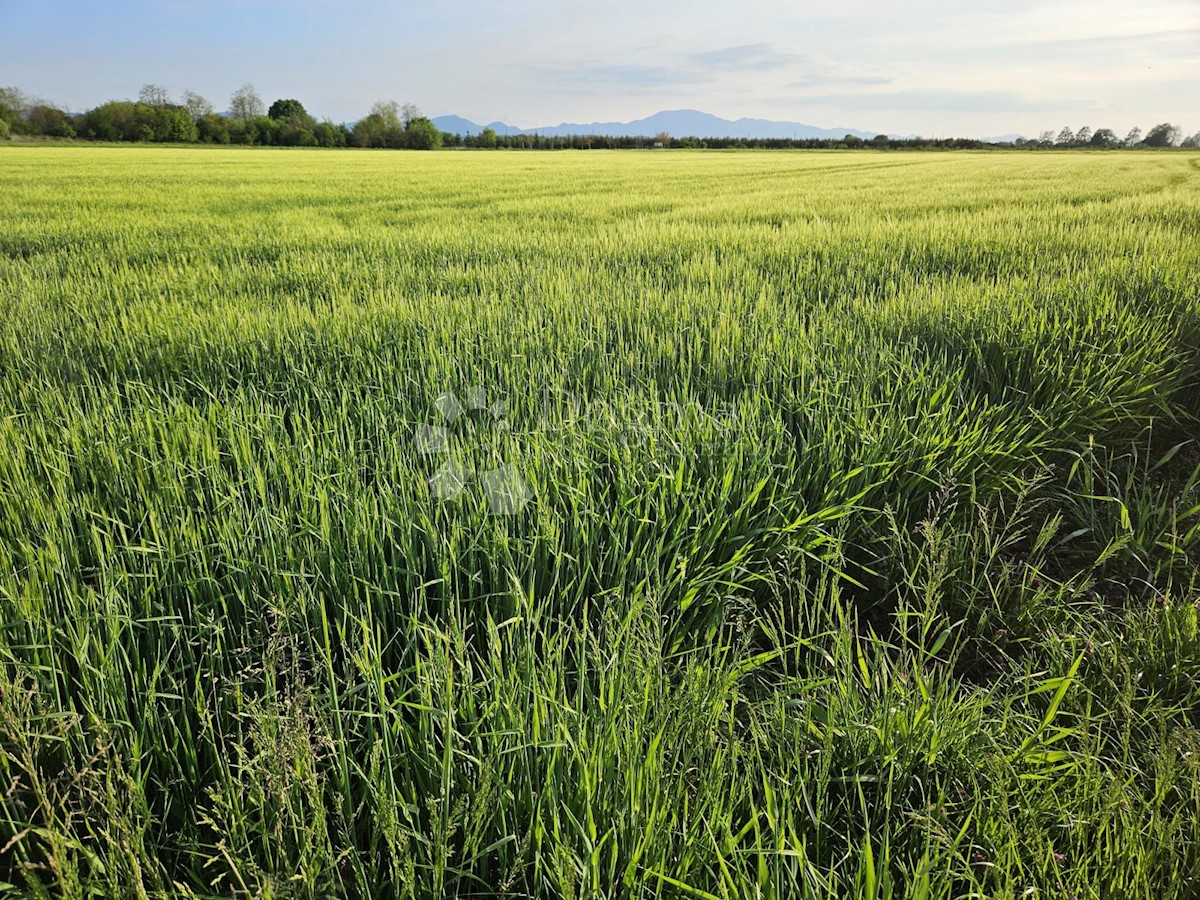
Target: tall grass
{"type": "Point", "coordinates": [860, 555]}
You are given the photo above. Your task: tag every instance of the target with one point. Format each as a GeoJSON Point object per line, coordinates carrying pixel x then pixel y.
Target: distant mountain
{"type": "Point", "coordinates": [675, 122]}
{"type": "Point", "coordinates": [1001, 139]}
{"type": "Point", "coordinates": [456, 125]}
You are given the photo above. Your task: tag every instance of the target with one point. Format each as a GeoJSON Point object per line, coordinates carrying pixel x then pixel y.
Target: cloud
{"type": "Point", "coordinates": [817, 79]}
{"type": "Point", "coordinates": [745, 58]}
{"type": "Point", "coordinates": [627, 76]}
{"type": "Point", "coordinates": [1096, 49]}
{"type": "Point", "coordinates": [1182, 36]}
{"type": "Point", "coordinates": [721, 66]}
{"type": "Point", "coordinates": [946, 101]}
{"type": "Point", "coordinates": [687, 69]}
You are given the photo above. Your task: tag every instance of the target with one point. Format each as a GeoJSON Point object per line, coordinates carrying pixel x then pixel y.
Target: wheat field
{"type": "Point", "coordinates": [599, 524]}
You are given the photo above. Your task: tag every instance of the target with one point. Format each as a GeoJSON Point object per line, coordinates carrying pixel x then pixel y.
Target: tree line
{"type": "Point", "coordinates": [157, 116]}
{"type": "Point", "coordinates": [1165, 135]}
{"type": "Point", "coordinates": [1162, 135]}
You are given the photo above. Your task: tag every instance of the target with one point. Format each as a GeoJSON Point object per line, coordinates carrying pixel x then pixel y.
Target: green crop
{"type": "Point", "coordinates": [599, 525]}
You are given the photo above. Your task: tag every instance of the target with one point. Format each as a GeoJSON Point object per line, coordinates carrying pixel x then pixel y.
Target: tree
{"type": "Point", "coordinates": [287, 109]}
{"type": "Point", "coordinates": [263, 130]}
{"type": "Point", "coordinates": [115, 121]}
{"type": "Point", "coordinates": [198, 107]}
{"type": "Point", "coordinates": [50, 121]}
{"type": "Point", "coordinates": [1134, 136]}
{"type": "Point", "coordinates": [329, 135]}
{"type": "Point", "coordinates": [409, 112]}
{"type": "Point", "coordinates": [154, 95]}
{"type": "Point", "coordinates": [295, 127]}
{"type": "Point", "coordinates": [1065, 137]}
{"type": "Point", "coordinates": [422, 134]}
{"type": "Point", "coordinates": [1083, 135]}
{"type": "Point", "coordinates": [487, 139]}
{"type": "Point", "coordinates": [1191, 143]}
{"type": "Point", "coordinates": [5, 131]}
{"type": "Point", "coordinates": [245, 104]}
{"type": "Point", "coordinates": [13, 105]}
{"type": "Point", "coordinates": [213, 129]}
{"type": "Point", "coordinates": [178, 125]}
{"type": "Point", "coordinates": [663, 138]}
{"type": "Point", "coordinates": [367, 132]}
{"type": "Point", "coordinates": [125, 121]}
{"type": "Point", "coordinates": [1104, 137]}
{"type": "Point", "coordinates": [1162, 135]}
{"type": "Point", "coordinates": [1046, 137]}
{"type": "Point", "coordinates": [381, 127]}
{"type": "Point", "coordinates": [388, 112]}
{"type": "Point", "coordinates": [174, 123]}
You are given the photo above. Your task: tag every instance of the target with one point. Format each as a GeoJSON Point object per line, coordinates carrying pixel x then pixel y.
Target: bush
{"type": "Point", "coordinates": [5, 131]}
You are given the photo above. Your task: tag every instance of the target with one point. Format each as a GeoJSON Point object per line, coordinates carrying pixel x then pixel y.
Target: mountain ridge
{"type": "Point", "coordinates": [676, 122]}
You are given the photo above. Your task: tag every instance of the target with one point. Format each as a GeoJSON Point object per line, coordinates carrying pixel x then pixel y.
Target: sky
{"type": "Point", "coordinates": [931, 67]}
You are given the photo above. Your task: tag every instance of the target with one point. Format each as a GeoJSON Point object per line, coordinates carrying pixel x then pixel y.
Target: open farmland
{"type": "Point", "coordinates": [599, 524]}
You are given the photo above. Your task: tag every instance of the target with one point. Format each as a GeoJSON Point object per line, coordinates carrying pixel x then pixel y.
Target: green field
{"type": "Point", "coordinates": [599, 524]}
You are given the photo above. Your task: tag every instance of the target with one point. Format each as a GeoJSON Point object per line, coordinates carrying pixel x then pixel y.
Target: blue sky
{"type": "Point", "coordinates": [931, 67]}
